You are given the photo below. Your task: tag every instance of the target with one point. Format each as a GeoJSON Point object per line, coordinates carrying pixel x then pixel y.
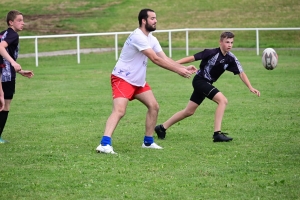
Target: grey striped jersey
{"type": "Point", "coordinates": [214, 63]}
{"type": "Point", "coordinates": [12, 39]}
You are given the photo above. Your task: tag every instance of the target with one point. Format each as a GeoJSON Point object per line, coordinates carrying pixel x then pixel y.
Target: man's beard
{"type": "Point", "coordinates": [149, 28]}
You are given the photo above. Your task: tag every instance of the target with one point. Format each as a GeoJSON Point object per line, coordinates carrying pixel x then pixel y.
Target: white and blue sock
{"type": "Point", "coordinates": [148, 140]}
{"type": "Point", "coordinates": [105, 141]}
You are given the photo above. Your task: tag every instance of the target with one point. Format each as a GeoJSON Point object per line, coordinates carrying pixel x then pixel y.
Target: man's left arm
{"type": "Point", "coordinates": [161, 54]}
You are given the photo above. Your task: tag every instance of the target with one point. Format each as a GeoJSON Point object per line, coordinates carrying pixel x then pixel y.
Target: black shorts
{"type": "Point", "coordinates": [202, 89]}
{"type": "Point", "coordinates": [9, 89]}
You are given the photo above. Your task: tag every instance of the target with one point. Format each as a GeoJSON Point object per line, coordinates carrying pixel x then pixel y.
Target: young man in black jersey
{"type": "Point", "coordinates": [9, 50]}
{"type": "Point", "coordinates": [213, 64]}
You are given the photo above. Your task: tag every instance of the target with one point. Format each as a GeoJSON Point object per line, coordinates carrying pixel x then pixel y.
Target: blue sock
{"type": "Point", "coordinates": [148, 140]}
{"type": "Point", "coordinates": [105, 141]}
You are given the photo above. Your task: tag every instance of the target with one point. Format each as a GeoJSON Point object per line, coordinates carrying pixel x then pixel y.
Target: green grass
{"type": "Point", "coordinates": [72, 16]}
{"type": "Point", "coordinates": [57, 119]}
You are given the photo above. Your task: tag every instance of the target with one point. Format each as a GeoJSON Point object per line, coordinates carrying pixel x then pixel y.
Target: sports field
{"type": "Point", "coordinates": [57, 119]}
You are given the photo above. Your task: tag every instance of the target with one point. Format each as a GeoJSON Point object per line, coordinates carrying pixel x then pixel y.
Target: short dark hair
{"type": "Point", "coordinates": [11, 16]}
{"type": "Point", "coordinates": [226, 35]}
{"type": "Point", "coordinates": [143, 15]}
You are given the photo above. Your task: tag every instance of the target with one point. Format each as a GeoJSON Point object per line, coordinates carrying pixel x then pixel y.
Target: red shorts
{"type": "Point", "coordinates": [121, 88]}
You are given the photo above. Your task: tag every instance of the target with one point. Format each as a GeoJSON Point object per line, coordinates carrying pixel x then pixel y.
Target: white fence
{"type": "Point", "coordinates": [187, 30]}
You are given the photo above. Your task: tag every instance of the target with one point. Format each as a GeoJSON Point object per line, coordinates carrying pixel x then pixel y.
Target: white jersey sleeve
{"type": "Point", "coordinates": [132, 63]}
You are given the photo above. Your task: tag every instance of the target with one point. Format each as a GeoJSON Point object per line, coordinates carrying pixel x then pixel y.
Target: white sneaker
{"type": "Point", "coordinates": [105, 149]}
{"type": "Point", "coordinates": [152, 146]}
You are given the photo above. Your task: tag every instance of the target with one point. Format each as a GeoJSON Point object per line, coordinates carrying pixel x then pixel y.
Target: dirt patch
{"type": "Point", "coordinates": [51, 23]}
{"type": "Point", "coordinates": [42, 24]}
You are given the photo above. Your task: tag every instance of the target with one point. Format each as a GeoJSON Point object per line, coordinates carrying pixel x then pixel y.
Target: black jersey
{"type": "Point", "coordinates": [214, 63]}
{"type": "Point", "coordinates": [12, 39]}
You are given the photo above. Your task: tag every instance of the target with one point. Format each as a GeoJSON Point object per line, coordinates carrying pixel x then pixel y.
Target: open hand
{"type": "Point", "coordinates": [184, 72]}
{"type": "Point", "coordinates": [26, 73]}
{"type": "Point", "coordinates": [192, 69]}
{"type": "Point", "coordinates": [255, 91]}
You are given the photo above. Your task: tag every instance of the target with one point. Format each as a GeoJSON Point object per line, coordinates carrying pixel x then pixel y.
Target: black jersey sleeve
{"type": "Point", "coordinates": [206, 53]}
{"type": "Point", "coordinates": [201, 55]}
{"type": "Point", "coordinates": [11, 37]}
{"type": "Point", "coordinates": [235, 66]}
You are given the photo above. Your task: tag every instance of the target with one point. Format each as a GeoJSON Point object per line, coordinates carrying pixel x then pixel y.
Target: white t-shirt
{"type": "Point", "coordinates": [132, 63]}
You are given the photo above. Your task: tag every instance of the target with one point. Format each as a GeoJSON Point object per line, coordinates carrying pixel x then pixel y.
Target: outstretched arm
{"type": "Point", "coordinates": [245, 79]}
{"type": "Point", "coordinates": [163, 61]}
{"type": "Point", "coordinates": [191, 68]}
{"type": "Point", "coordinates": [186, 60]}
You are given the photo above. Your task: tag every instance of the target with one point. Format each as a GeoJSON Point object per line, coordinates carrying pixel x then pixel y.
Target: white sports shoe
{"type": "Point", "coordinates": [152, 146]}
{"type": "Point", "coordinates": [105, 149]}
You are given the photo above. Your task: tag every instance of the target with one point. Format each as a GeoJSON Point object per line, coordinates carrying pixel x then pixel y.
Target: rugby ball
{"type": "Point", "coordinates": [269, 59]}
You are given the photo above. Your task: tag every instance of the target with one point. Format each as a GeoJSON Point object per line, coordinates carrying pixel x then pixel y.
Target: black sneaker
{"type": "Point", "coordinates": [221, 137]}
{"type": "Point", "coordinates": [161, 134]}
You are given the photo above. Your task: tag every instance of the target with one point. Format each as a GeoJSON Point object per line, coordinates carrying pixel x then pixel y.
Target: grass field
{"type": "Point", "coordinates": [58, 117]}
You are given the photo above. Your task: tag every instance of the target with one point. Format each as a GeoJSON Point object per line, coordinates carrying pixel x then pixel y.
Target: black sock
{"type": "Point", "coordinates": [217, 132]}
{"type": "Point", "coordinates": [162, 127]}
{"type": "Point", "coordinates": [3, 118]}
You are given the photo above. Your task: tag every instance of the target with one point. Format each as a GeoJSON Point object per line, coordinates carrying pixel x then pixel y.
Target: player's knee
{"type": "Point", "coordinates": [154, 106]}
{"type": "Point", "coordinates": [6, 105]}
{"type": "Point", "coordinates": [225, 101]}
{"type": "Point", "coordinates": [122, 114]}
{"type": "Point", "coordinates": [188, 113]}
{"type": "Point", "coordinates": [220, 99]}
{"type": "Point", "coordinates": [119, 112]}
